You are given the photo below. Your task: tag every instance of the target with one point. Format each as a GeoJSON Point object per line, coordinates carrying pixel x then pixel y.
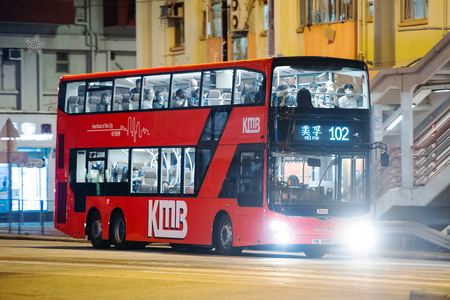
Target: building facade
{"type": "Point", "coordinates": [40, 41]}
{"type": "Point", "coordinates": [176, 32]}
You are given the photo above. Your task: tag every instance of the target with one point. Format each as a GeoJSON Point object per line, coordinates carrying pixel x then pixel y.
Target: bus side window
{"type": "Point", "coordinates": [127, 93]}
{"type": "Point", "coordinates": [117, 163]}
{"type": "Point", "coordinates": [250, 87]}
{"type": "Point", "coordinates": [144, 170]}
{"type": "Point", "coordinates": [81, 166]}
{"type": "Point", "coordinates": [99, 96]}
{"type": "Point", "coordinates": [185, 90]}
{"type": "Point", "coordinates": [250, 180]}
{"type": "Point", "coordinates": [189, 167]}
{"type": "Point", "coordinates": [74, 102]}
{"type": "Point", "coordinates": [217, 87]}
{"type": "Point", "coordinates": [156, 90]}
{"type": "Point", "coordinates": [170, 171]}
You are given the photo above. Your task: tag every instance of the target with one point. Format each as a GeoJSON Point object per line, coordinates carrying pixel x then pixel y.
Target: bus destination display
{"type": "Point", "coordinates": [323, 133]}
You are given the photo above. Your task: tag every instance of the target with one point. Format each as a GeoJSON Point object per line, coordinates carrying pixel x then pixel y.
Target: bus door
{"type": "Point", "coordinates": [86, 173]}
{"type": "Point", "coordinates": [95, 176]}
{"type": "Point", "coordinates": [244, 180]}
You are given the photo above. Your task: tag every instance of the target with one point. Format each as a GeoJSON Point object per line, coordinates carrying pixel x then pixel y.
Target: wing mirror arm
{"type": "Point", "coordinates": [384, 157]}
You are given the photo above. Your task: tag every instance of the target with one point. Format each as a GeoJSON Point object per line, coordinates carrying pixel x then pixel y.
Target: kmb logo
{"type": "Point", "coordinates": [251, 125]}
{"type": "Point", "coordinates": [167, 219]}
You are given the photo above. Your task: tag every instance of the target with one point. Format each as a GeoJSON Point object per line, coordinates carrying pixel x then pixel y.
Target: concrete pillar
{"type": "Point", "coordinates": [406, 96]}
{"type": "Point", "coordinates": [144, 53]}
{"type": "Point", "coordinates": [384, 33]}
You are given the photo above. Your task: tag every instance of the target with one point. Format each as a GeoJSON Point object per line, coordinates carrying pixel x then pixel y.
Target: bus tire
{"type": "Point", "coordinates": [224, 244]}
{"type": "Point", "coordinates": [315, 251]}
{"type": "Point", "coordinates": [95, 232]}
{"type": "Point", "coordinates": [118, 231]}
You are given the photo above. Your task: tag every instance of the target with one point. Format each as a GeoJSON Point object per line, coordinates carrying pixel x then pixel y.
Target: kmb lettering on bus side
{"type": "Point", "coordinates": [251, 125]}
{"type": "Point", "coordinates": [167, 211]}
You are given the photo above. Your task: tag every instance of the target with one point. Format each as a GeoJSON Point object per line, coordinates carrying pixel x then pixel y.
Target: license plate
{"type": "Point", "coordinates": [323, 241]}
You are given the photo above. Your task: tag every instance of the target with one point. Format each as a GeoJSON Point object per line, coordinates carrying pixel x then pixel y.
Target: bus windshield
{"type": "Point", "coordinates": [319, 87]}
{"type": "Point", "coordinates": [299, 179]}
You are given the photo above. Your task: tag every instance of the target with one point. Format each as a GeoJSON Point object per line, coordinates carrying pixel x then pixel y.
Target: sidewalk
{"type": "Point", "coordinates": [34, 231]}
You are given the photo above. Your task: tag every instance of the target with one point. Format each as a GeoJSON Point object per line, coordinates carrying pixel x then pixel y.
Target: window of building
{"type": "Point", "coordinates": [216, 18]}
{"type": "Point", "coordinates": [415, 9]}
{"type": "Point", "coordinates": [240, 48]}
{"type": "Point", "coordinates": [370, 11]}
{"type": "Point", "coordinates": [62, 62]}
{"type": "Point", "coordinates": [179, 32]}
{"type": "Point", "coordinates": [266, 17]}
{"type": "Point", "coordinates": [302, 13]}
{"type": "Point", "coordinates": [314, 12]}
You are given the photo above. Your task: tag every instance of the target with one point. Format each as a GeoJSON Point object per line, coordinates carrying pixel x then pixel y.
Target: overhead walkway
{"type": "Point", "coordinates": [416, 185]}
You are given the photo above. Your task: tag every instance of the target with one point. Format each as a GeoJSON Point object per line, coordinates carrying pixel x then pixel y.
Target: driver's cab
{"type": "Point", "coordinates": [298, 179]}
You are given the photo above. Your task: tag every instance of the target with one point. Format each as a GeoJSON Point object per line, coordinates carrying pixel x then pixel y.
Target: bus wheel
{"type": "Point", "coordinates": [224, 244]}
{"type": "Point", "coordinates": [118, 234]}
{"type": "Point", "coordinates": [315, 251]}
{"type": "Point", "coordinates": [95, 232]}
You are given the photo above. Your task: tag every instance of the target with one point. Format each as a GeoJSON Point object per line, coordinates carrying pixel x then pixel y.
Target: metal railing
{"type": "Point", "coordinates": [431, 155]}
{"type": "Point", "coordinates": [25, 220]}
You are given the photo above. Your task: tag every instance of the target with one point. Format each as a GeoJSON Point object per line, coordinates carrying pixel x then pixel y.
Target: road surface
{"type": "Point", "coordinates": [63, 270]}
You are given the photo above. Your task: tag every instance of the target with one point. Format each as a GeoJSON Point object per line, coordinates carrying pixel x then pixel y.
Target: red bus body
{"type": "Point", "coordinates": [185, 219]}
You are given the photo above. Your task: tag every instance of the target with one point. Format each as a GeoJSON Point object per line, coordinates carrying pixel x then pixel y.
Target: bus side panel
{"type": "Point", "coordinates": [197, 220]}
{"type": "Point", "coordinates": [249, 227]}
{"type": "Point", "coordinates": [217, 171]}
{"type": "Point", "coordinates": [245, 125]}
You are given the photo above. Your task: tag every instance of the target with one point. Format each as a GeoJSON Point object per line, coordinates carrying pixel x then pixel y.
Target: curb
{"type": "Point", "coordinates": [41, 238]}
{"type": "Point", "coordinates": [393, 254]}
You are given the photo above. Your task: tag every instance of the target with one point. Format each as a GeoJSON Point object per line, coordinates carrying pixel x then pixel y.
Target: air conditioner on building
{"type": "Point", "coordinates": [12, 54]}
{"type": "Point", "coordinates": [172, 10]}
{"type": "Point", "coordinates": [239, 15]}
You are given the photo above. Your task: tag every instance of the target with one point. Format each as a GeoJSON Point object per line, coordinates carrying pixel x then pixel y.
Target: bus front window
{"type": "Point", "coordinates": [297, 179]}
{"type": "Point", "coordinates": [320, 86]}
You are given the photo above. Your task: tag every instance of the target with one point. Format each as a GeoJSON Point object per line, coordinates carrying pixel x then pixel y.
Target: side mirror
{"type": "Point", "coordinates": [313, 162]}
{"type": "Point", "coordinates": [384, 159]}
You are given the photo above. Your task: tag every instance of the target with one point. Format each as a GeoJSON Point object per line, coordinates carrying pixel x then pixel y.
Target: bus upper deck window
{"type": "Point", "coordinates": [74, 97]}
{"type": "Point", "coordinates": [250, 87]}
{"type": "Point", "coordinates": [217, 87]}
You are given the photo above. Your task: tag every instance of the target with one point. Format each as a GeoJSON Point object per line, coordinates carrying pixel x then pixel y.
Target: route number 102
{"type": "Point", "coordinates": [339, 133]}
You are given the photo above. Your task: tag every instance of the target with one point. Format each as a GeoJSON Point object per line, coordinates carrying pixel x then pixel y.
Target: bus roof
{"type": "Point", "coordinates": [260, 64]}
{"type": "Point", "coordinates": [254, 63]}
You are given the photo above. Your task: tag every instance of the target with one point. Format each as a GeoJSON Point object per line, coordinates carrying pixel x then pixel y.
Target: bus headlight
{"type": "Point", "coordinates": [361, 237]}
{"type": "Point", "coordinates": [281, 231]}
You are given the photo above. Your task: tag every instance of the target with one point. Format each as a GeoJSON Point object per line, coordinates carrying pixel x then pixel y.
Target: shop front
{"type": "Point", "coordinates": [32, 185]}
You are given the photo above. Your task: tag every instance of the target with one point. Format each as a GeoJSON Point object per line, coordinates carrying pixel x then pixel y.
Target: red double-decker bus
{"type": "Point", "coordinates": [260, 153]}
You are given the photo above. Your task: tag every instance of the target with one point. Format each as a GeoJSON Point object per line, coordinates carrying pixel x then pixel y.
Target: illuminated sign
{"type": "Point", "coordinates": [28, 132]}
{"type": "Point", "coordinates": [324, 133]}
